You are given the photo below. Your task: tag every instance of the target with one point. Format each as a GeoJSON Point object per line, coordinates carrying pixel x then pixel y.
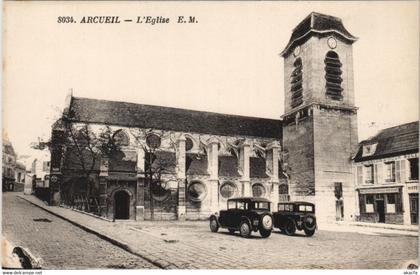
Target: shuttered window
{"type": "Point", "coordinates": [359, 174]}
{"type": "Point", "coordinates": [333, 75]}
{"type": "Point", "coordinates": [296, 83]}
{"type": "Point", "coordinates": [390, 171]}
{"type": "Point", "coordinates": [369, 173]}
{"type": "Point", "coordinates": [379, 173]}
{"type": "Point", "coordinates": [403, 176]}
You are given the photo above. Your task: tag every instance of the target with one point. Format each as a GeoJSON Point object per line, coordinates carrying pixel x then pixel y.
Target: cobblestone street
{"type": "Point", "coordinates": [191, 244]}
{"type": "Point", "coordinates": [58, 243]}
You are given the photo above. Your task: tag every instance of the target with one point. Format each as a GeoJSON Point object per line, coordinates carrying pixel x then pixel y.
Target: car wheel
{"type": "Point", "coordinates": [245, 229]}
{"type": "Point", "coordinates": [309, 223]}
{"type": "Point", "coordinates": [308, 232]}
{"type": "Point", "coordinates": [214, 226]}
{"type": "Point", "coordinates": [231, 231]}
{"type": "Point", "coordinates": [290, 228]}
{"type": "Point", "coordinates": [265, 233]}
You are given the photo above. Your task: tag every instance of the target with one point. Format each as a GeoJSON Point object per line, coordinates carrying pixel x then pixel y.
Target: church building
{"type": "Point", "coordinates": [200, 159]}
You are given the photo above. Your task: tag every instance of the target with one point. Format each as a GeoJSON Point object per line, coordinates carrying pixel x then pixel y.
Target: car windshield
{"type": "Point", "coordinates": [306, 208]}
{"type": "Point", "coordinates": [262, 205]}
{"type": "Point", "coordinates": [231, 204]}
{"type": "Point", "coordinates": [285, 207]}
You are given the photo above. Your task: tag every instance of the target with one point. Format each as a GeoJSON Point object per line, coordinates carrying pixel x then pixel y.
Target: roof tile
{"type": "Point", "coordinates": [166, 118]}
{"type": "Point", "coordinates": [392, 141]}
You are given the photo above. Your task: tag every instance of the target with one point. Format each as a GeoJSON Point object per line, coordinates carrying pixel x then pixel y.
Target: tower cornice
{"type": "Point", "coordinates": [317, 24]}
{"type": "Point", "coordinates": [321, 105]}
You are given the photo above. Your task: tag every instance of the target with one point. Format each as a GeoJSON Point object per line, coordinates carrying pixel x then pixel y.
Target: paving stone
{"type": "Point", "coordinates": [60, 244]}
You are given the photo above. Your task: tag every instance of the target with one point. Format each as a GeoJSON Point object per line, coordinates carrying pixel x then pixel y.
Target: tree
{"type": "Point", "coordinates": [82, 149]}
{"type": "Point", "coordinates": [156, 164]}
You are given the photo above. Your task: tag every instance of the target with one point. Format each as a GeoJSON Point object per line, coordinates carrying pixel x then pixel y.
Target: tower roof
{"type": "Point", "coordinates": [319, 24]}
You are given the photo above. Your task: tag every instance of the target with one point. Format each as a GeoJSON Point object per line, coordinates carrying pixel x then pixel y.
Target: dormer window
{"type": "Point", "coordinates": [296, 83]}
{"type": "Point", "coordinates": [333, 75]}
{"type": "Point", "coordinates": [369, 149]}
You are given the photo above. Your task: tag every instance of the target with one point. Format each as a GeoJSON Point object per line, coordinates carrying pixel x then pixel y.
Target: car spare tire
{"type": "Point", "coordinates": [267, 222]}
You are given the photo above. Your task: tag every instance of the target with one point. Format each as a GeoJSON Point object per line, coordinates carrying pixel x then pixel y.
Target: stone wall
{"type": "Point", "coordinates": [335, 141]}
{"type": "Point", "coordinates": [298, 156]}
{"type": "Point", "coordinates": [397, 218]}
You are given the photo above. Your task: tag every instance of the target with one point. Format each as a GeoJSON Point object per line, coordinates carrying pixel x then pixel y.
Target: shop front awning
{"type": "Point", "coordinates": [379, 190]}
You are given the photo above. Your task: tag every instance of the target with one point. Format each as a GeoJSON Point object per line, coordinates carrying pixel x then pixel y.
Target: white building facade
{"type": "Point", "coordinates": [386, 176]}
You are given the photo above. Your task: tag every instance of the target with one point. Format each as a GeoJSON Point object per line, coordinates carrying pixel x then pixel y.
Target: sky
{"type": "Point", "coordinates": [227, 62]}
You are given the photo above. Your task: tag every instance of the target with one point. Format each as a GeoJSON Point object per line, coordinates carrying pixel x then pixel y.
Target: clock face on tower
{"type": "Point", "coordinates": [332, 43]}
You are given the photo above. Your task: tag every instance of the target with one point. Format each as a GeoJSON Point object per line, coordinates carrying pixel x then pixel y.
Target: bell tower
{"type": "Point", "coordinates": [320, 120]}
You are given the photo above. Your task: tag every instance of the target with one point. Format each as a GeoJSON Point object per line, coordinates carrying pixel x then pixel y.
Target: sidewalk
{"type": "Point", "coordinates": [411, 227]}
{"type": "Point", "coordinates": [370, 228]}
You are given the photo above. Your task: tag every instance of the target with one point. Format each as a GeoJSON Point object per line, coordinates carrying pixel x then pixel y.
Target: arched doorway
{"type": "Point", "coordinates": [122, 205]}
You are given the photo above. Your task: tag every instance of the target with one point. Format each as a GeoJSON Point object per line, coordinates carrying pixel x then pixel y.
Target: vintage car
{"type": "Point", "coordinates": [244, 214]}
{"type": "Point", "coordinates": [295, 215]}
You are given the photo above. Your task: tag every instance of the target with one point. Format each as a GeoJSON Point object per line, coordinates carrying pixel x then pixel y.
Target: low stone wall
{"type": "Point", "coordinates": [396, 218]}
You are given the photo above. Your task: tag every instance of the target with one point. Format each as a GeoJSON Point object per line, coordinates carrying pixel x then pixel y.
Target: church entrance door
{"type": "Point", "coordinates": [122, 205]}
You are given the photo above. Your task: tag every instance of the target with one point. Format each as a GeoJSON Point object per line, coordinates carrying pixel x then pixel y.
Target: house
{"type": "Point", "coordinates": [20, 175]}
{"type": "Point", "coordinates": [8, 165]}
{"type": "Point", "coordinates": [387, 176]}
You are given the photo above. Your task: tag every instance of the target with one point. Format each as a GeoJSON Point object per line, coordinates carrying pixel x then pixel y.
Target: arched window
{"type": "Point", "coordinates": [258, 190]}
{"type": "Point", "coordinates": [189, 144]}
{"type": "Point", "coordinates": [121, 138]}
{"type": "Point", "coordinates": [228, 190]}
{"type": "Point", "coordinates": [196, 191]}
{"type": "Point", "coordinates": [296, 83]}
{"type": "Point", "coordinates": [283, 189]}
{"type": "Point", "coordinates": [333, 75]}
{"type": "Point", "coordinates": [160, 192]}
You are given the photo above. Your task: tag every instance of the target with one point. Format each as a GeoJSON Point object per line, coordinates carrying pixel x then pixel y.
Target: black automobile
{"type": "Point", "coordinates": [244, 214]}
{"type": "Point", "coordinates": [295, 215]}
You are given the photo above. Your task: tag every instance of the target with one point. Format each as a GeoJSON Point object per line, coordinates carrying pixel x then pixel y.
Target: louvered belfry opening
{"type": "Point", "coordinates": [333, 75]}
{"type": "Point", "coordinates": [296, 84]}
